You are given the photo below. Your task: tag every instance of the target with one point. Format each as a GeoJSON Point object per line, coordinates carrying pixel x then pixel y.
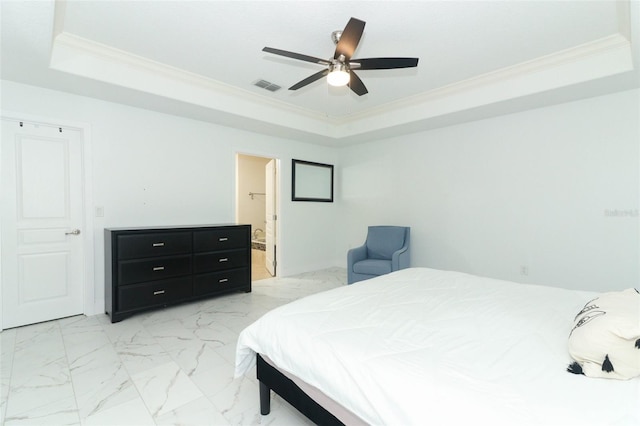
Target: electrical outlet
{"type": "Point", "coordinates": [524, 270]}
{"type": "Point", "coordinates": [99, 211]}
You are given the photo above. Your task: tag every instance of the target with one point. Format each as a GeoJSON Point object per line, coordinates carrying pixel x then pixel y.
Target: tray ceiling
{"type": "Point", "coordinates": [200, 59]}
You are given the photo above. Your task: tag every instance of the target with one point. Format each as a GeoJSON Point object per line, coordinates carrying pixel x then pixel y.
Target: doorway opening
{"type": "Point", "coordinates": [256, 204]}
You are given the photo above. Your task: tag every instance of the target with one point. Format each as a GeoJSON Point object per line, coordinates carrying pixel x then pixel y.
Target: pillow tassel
{"type": "Point", "coordinates": [575, 368]}
{"type": "Point", "coordinates": [606, 364]}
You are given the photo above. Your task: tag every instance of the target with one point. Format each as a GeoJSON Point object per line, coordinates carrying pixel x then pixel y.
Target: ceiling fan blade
{"type": "Point", "coordinates": [294, 55]}
{"type": "Point", "coordinates": [356, 84]}
{"type": "Point", "coordinates": [384, 63]}
{"type": "Point", "coordinates": [310, 79]}
{"type": "Point", "coordinates": [350, 38]}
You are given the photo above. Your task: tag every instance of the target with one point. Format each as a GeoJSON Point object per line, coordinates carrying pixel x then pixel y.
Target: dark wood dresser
{"type": "Point", "coordinates": [147, 268]}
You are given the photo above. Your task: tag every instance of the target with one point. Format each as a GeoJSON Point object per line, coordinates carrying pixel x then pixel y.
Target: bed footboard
{"type": "Point", "coordinates": [273, 380]}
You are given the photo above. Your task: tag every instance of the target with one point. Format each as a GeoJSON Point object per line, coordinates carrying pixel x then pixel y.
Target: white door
{"type": "Point", "coordinates": [270, 216]}
{"type": "Point", "coordinates": [42, 211]}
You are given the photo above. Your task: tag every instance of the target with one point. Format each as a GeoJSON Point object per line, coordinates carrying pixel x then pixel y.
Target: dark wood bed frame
{"type": "Point", "coordinates": [273, 380]}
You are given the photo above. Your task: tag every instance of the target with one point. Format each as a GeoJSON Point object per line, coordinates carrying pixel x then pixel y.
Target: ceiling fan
{"type": "Point", "coordinates": [340, 69]}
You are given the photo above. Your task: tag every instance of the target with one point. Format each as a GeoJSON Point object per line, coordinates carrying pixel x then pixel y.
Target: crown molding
{"type": "Point", "coordinates": [600, 58]}
{"type": "Point", "coordinates": [557, 61]}
{"type": "Point", "coordinates": [87, 58]}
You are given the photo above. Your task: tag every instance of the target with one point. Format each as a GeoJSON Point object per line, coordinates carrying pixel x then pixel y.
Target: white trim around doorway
{"type": "Point", "coordinates": [279, 221]}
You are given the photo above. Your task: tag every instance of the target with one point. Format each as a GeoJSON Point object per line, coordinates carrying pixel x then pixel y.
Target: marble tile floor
{"type": "Point", "coordinates": [172, 366]}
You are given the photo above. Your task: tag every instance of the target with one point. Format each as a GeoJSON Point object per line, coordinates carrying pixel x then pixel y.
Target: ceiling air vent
{"type": "Point", "coordinates": [267, 85]}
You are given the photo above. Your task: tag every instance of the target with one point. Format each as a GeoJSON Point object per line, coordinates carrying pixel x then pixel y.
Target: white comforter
{"type": "Point", "coordinates": [422, 346]}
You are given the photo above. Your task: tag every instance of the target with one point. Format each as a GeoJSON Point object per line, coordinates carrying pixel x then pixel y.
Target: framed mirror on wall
{"type": "Point", "coordinates": [311, 181]}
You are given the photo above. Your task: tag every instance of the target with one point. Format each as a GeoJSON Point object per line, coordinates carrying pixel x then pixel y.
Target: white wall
{"type": "Point", "coordinates": [533, 189]}
{"type": "Point", "coordinates": [487, 197]}
{"type": "Point", "coordinates": [156, 169]}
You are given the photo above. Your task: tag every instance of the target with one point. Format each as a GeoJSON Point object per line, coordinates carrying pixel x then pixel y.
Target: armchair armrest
{"type": "Point", "coordinates": [400, 258]}
{"type": "Point", "coordinates": [356, 254]}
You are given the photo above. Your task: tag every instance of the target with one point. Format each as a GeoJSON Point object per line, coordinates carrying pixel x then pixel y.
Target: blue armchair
{"type": "Point", "coordinates": [385, 250]}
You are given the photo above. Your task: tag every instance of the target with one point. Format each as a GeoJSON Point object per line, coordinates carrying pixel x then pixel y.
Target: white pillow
{"type": "Point", "coordinates": [605, 339]}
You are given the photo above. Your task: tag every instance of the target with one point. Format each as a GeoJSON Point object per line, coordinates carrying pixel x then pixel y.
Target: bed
{"type": "Point", "coordinates": [424, 346]}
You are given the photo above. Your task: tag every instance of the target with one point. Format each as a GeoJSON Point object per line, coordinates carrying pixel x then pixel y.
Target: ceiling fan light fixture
{"type": "Point", "coordinates": [338, 75]}
{"type": "Point", "coordinates": [339, 69]}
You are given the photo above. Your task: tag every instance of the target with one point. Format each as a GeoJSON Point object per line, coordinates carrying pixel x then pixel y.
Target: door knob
{"type": "Point", "coordinates": [74, 232]}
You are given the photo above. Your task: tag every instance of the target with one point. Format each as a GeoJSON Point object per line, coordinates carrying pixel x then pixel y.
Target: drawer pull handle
{"type": "Point", "coordinates": [155, 293]}
{"type": "Point", "coordinates": [158, 268]}
{"type": "Point", "coordinates": [223, 280]}
{"type": "Point", "coordinates": [224, 259]}
{"type": "Point", "coordinates": [158, 244]}
{"type": "Point", "coordinates": [223, 239]}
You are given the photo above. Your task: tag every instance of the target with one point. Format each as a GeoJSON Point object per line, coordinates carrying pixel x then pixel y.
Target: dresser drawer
{"type": "Point", "coordinates": [153, 244]}
{"type": "Point", "coordinates": [220, 281]}
{"type": "Point", "coordinates": [158, 268]}
{"type": "Point", "coordinates": [154, 293]}
{"type": "Point", "coordinates": [219, 260]}
{"type": "Point", "coordinates": [220, 239]}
